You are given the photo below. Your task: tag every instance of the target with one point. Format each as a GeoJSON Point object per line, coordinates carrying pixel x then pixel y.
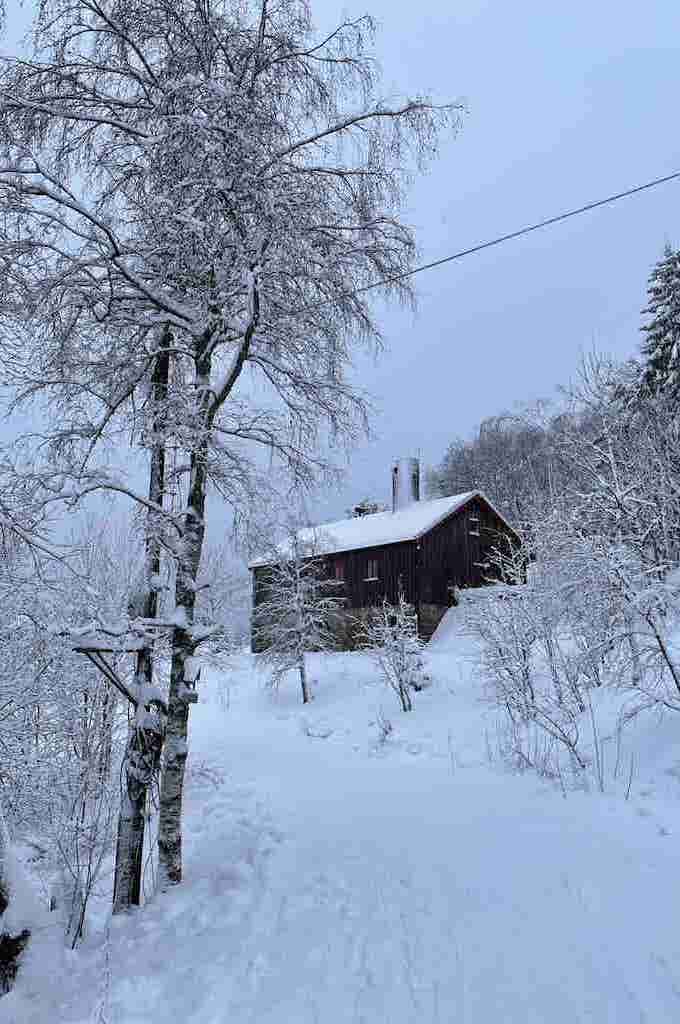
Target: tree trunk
{"type": "Point", "coordinates": [405, 696]}
{"type": "Point", "coordinates": [303, 681]}
{"type": "Point", "coordinates": [11, 946]}
{"type": "Point", "coordinates": [183, 645]}
{"type": "Point", "coordinates": [193, 532]}
{"type": "Point", "coordinates": [104, 758]}
{"type": "Point", "coordinates": [139, 759]}
{"type": "Point", "coordinates": [127, 884]}
{"type": "Point", "coordinates": [172, 783]}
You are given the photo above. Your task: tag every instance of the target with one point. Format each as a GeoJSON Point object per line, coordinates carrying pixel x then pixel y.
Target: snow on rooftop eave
{"type": "Point", "coordinates": [463, 499]}
{"type": "Point", "coordinates": [455, 503]}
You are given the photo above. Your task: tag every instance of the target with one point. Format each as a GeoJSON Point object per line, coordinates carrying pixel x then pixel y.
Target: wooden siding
{"type": "Point", "coordinates": [396, 566]}
{"type": "Point", "coordinates": [457, 551]}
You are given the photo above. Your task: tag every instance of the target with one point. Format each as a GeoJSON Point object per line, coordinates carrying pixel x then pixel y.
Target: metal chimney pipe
{"type": "Point", "coordinates": [405, 483]}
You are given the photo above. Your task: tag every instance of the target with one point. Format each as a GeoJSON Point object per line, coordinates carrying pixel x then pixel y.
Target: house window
{"type": "Point", "coordinates": [340, 569]}
{"type": "Point", "coordinates": [372, 569]}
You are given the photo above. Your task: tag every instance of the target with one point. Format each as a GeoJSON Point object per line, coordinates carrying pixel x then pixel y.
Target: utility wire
{"type": "Point", "coordinates": [501, 238]}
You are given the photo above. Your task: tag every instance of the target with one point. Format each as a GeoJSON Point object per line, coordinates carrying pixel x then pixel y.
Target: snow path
{"type": "Point", "coordinates": [406, 892]}
{"type": "Point", "coordinates": [330, 879]}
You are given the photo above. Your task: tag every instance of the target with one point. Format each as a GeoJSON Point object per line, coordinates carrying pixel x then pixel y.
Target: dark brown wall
{"type": "Point", "coordinates": [456, 551]}
{"type": "Point", "coordinates": [395, 562]}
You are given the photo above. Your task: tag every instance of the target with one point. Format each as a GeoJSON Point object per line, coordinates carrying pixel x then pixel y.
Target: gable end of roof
{"type": "Point", "coordinates": [383, 529]}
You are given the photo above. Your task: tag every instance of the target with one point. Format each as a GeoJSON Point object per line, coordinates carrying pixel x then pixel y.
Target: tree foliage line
{"type": "Point", "coordinates": [594, 487]}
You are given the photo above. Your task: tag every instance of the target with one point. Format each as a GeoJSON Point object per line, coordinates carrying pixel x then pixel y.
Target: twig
{"type": "Point", "coordinates": [630, 776]}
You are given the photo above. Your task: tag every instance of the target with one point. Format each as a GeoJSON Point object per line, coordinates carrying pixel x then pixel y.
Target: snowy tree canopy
{"type": "Point", "coordinates": [193, 198]}
{"type": "Point", "coordinates": [660, 349]}
{"type": "Point", "coordinates": [213, 169]}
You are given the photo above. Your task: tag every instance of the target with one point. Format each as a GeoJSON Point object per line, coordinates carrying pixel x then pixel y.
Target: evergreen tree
{"type": "Point", "coordinates": [661, 347]}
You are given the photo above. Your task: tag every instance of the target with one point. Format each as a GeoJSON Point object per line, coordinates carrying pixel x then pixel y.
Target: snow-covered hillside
{"type": "Point", "coordinates": [336, 874]}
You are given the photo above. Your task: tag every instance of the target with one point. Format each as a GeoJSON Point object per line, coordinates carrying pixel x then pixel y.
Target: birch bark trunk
{"type": "Point", "coordinates": [139, 756]}
{"type": "Point", "coordinates": [180, 696]}
{"type": "Point", "coordinates": [208, 405]}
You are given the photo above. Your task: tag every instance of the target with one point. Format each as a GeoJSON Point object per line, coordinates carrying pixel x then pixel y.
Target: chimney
{"type": "Point", "coordinates": [405, 483]}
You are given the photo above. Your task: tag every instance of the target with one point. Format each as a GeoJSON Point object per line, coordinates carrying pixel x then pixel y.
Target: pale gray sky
{"type": "Point", "coordinates": [567, 102]}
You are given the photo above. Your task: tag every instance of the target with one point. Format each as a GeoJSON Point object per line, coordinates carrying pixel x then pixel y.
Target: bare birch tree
{"type": "Point", "coordinates": [221, 173]}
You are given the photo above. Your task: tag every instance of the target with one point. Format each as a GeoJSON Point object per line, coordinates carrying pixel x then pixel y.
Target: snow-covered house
{"type": "Point", "coordinates": [425, 549]}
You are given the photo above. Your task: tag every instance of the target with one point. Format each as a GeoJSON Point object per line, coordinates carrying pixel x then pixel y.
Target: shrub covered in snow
{"type": "Point", "coordinates": [296, 613]}
{"type": "Point", "coordinates": [602, 602]}
{"type": "Point", "coordinates": [390, 634]}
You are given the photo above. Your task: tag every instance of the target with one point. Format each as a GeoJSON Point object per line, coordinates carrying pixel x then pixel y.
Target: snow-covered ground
{"type": "Point", "coordinates": [334, 877]}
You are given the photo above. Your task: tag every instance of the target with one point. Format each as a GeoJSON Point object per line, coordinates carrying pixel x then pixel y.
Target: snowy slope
{"type": "Point", "coordinates": [335, 878]}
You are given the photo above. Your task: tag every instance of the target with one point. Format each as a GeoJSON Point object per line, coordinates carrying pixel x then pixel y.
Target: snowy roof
{"type": "Point", "coordinates": [370, 531]}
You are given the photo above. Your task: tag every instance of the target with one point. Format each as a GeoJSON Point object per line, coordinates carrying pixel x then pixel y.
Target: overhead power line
{"type": "Point", "coordinates": [395, 278]}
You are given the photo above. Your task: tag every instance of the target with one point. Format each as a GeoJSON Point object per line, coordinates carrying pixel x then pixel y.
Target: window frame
{"type": "Point", "coordinates": [372, 563]}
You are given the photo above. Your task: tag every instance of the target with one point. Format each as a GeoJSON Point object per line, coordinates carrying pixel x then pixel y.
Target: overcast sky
{"type": "Point", "coordinates": [567, 103]}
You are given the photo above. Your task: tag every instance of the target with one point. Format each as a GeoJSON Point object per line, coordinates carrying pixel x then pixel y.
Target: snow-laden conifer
{"type": "Point", "coordinates": [661, 346]}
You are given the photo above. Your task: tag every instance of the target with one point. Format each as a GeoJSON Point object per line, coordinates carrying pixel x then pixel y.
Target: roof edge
{"type": "Point", "coordinates": [261, 563]}
{"type": "Point", "coordinates": [471, 496]}
{"type": "Point", "coordinates": [446, 515]}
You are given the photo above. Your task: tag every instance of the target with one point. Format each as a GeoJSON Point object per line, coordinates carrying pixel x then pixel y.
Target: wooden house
{"type": "Point", "coordinates": [426, 549]}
